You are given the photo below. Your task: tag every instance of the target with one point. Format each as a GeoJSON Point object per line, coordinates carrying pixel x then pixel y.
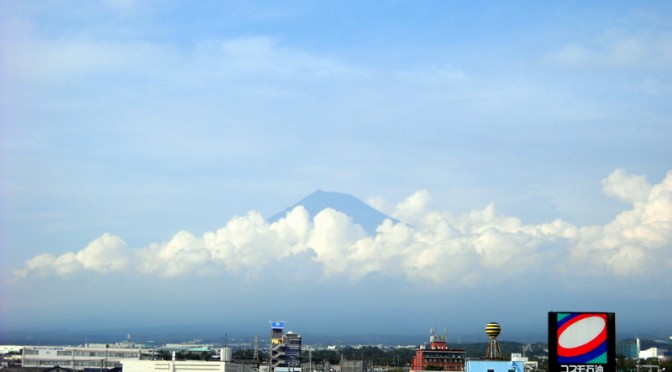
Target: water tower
{"type": "Point", "coordinates": [494, 352]}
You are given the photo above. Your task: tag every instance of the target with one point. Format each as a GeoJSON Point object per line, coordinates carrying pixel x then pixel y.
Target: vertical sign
{"type": "Point", "coordinates": [581, 342]}
{"type": "Point", "coordinates": [277, 332]}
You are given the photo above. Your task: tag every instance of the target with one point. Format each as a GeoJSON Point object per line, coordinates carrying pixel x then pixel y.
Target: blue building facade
{"type": "Point", "coordinates": [493, 366]}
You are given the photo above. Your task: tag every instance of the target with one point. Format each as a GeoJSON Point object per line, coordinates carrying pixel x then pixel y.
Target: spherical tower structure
{"type": "Point", "coordinates": [494, 352]}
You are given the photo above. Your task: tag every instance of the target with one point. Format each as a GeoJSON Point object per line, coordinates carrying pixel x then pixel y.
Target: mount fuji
{"type": "Point", "coordinates": [361, 213]}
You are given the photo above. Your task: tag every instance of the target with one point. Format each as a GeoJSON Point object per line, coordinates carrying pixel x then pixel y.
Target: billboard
{"type": "Point", "coordinates": [581, 342]}
{"type": "Point", "coordinates": [277, 332]}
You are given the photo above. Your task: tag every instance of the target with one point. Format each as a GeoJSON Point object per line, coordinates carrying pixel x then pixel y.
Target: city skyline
{"type": "Point", "coordinates": [523, 151]}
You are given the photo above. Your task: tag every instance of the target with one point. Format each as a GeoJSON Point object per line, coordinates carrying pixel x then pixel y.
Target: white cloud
{"type": "Point", "coordinates": [35, 59]}
{"type": "Point", "coordinates": [617, 49]}
{"type": "Point", "coordinates": [625, 187]}
{"type": "Point", "coordinates": [183, 253]}
{"type": "Point", "coordinates": [413, 208]}
{"type": "Point", "coordinates": [334, 240]}
{"type": "Point", "coordinates": [377, 203]}
{"type": "Point", "coordinates": [638, 240]}
{"type": "Point", "coordinates": [32, 58]}
{"type": "Point", "coordinates": [293, 229]}
{"type": "Point", "coordinates": [572, 55]}
{"type": "Point", "coordinates": [437, 247]}
{"type": "Point", "coordinates": [108, 253]}
{"type": "Point", "coordinates": [38, 265]}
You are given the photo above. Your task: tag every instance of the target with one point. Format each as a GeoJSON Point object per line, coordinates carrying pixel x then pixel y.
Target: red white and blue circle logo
{"type": "Point", "coordinates": [582, 338]}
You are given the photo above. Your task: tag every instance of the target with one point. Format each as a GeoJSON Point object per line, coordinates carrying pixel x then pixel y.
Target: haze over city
{"type": "Point", "coordinates": [522, 152]}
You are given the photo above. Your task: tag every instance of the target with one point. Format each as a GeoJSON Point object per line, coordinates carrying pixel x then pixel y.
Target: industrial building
{"type": "Point", "coordinates": [80, 357]}
{"type": "Point", "coordinates": [352, 366]}
{"type": "Point", "coordinates": [653, 353]}
{"type": "Point", "coordinates": [437, 356]}
{"type": "Point", "coordinates": [225, 364]}
{"type": "Point", "coordinates": [631, 349]}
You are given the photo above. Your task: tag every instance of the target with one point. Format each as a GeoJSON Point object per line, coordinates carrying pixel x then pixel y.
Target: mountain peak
{"type": "Point", "coordinates": [360, 212]}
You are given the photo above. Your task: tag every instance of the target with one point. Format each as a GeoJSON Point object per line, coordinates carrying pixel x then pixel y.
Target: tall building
{"type": "Point", "coordinates": [629, 348]}
{"type": "Point", "coordinates": [437, 356]}
{"type": "Point", "coordinates": [285, 348]}
{"type": "Point", "coordinates": [292, 343]}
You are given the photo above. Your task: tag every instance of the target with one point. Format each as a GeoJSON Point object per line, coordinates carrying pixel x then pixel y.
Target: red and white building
{"type": "Point", "coordinates": [438, 357]}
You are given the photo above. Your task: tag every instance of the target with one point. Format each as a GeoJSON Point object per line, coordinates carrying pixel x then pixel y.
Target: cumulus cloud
{"type": "Point", "coordinates": [638, 239]}
{"type": "Point", "coordinates": [625, 187]}
{"type": "Point", "coordinates": [108, 253]}
{"type": "Point", "coordinates": [413, 208]}
{"type": "Point", "coordinates": [434, 246]}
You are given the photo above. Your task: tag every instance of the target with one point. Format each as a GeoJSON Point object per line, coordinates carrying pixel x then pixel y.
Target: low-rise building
{"type": "Point", "coordinates": [653, 353]}
{"type": "Point", "coordinates": [437, 356]}
{"type": "Point", "coordinates": [493, 366]}
{"type": "Point", "coordinates": [529, 365]}
{"type": "Point", "coordinates": [77, 357]}
{"type": "Point", "coordinates": [352, 366]}
{"type": "Point", "coordinates": [184, 366]}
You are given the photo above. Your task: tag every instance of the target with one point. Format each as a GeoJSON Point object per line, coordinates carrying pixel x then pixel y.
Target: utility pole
{"type": "Point", "coordinates": [256, 347]}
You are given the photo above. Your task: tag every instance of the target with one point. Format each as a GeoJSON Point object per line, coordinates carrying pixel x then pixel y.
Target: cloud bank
{"type": "Point", "coordinates": [428, 246]}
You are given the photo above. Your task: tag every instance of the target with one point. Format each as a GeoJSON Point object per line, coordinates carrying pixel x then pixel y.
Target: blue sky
{"type": "Point", "coordinates": [525, 148]}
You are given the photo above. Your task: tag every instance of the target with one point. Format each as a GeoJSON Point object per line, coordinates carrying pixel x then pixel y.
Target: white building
{"type": "Point", "coordinates": [6, 349]}
{"type": "Point", "coordinates": [530, 366]}
{"type": "Point", "coordinates": [77, 358]}
{"type": "Point", "coordinates": [653, 352]}
{"type": "Point", "coordinates": [183, 366]}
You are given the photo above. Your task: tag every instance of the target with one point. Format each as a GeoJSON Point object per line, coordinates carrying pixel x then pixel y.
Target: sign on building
{"type": "Point", "coordinates": [581, 342]}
